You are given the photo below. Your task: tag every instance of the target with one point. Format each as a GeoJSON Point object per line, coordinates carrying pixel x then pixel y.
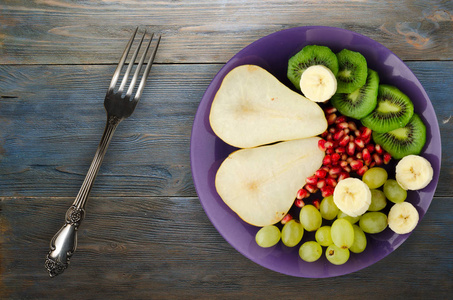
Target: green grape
{"type": "Point", "coordinates": [352, 220]}
{"type": "Point", "coordinates": [373, 222]}
{"type": "Point", "coordinates": [360, 242]}
{"type": "Point", "coordinates": [328, 208]}
{"type": "Point", "coordinates": [336, 255]}
{"type": "Point", "coordinates": [310, 218]}
{"type": "Point", "coordinates": [375, 177]}
{"type": "Point", "coordinates": [310, 251]}
{"type": "Point", "coordinates": [268, 236]}
{"type": "Point", "coordinates": [394, 192]}
{"type": "Point", "coordinates": [323, 236]}
{"type": "Point", "coordinates": [342, 233]}
{"type": "Point", "coordinates": [292, 233]}
{"type": "Point", "coordinates": [378, 200]}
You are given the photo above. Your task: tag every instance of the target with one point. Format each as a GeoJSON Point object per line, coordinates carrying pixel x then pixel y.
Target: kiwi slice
{"type": "Point", "coordinates": [352, 71]}
{"type": "Point", "coordinates": [310, 55]}
{"type": "Point", "coordinates": [394, 109]}
{"type": "Point", "coordinates": [360, 102]}
{"type": "Point", "coordinates": [403, 141]}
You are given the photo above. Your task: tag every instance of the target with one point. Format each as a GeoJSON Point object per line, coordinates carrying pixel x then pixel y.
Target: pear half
{"type": "Point", "coordinates": [253, 108]}
{"type": "Point", "coordinates": [260, 184]}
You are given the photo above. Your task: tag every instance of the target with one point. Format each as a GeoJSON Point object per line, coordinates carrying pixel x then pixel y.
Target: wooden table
{"type": "Point", "coordinates": [146, 235]}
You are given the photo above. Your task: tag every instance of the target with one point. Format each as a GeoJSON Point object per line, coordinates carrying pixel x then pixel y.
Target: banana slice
{"type": "Point", "coordinates": [403, 217]}
{"type": "Point", "coordinates": [318, 83]}
{"type": "Point", "coordinates": [352, 196]}
{"type": "Point", "coordinates": [413, 172]}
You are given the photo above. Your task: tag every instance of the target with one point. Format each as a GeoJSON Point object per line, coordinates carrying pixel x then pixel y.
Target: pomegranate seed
{"type": "Point", "coordinates": [321, 173]}
{"type": "Point", "coordinates": [299, 203]}
{"type": "Point", "coordinates": [352, 126]}
{"type": "Point", "coordinates": [316, 203]}
{"type": "Point", "coordinates": [343, 164]}
{"type": "Point", "coordinates": [377, 159]}
{"type": "Point", "coordinates": [356, 165]}
{"type": "Point", "coordinates": [359, 143]}
{"type": "Point", "coordinates": [365, 132]}
{"type": "Point", "coordinates": [301, 194]}
{"type": "Point", "coordinates": [387, 158]}
{"type": "Point", "coordinates": [324, 134]}
{"type": "Point", "coordinates": [331, 182]}
{"type": "Point", "coordinates": [332, 130]}
{"type": "Point", "coordinates": [341, 119]}
{"type": "Point", "coordinates": [362, 170]}
{"type": "Point", "coordinates": [325, 168]}
{"type": "Point", "coordinates": [338, 135]}
{"type": "Point", "coordinates": [372, 164]}
{"type": "Point", "coordinates": [342, 125]}
{"type": "Point", "coordinates": [350, 159]}
{"type": "Point", "coordinates": [357, 133]}
{"type": "Point", "coordinates": [327, 160]}
{"type": "Point", "coordinates": [378, 149]}
{"type": "Point", "coordinates": [367, 140]}
{"type": "Point", "coordinates": [330, 151]}
{"type": "Point", "coordinates": [343, 175]}
{"type": "Point", "coordinates": [322, 145]}
{"type": "Point", "coordinates": [351, 148]}
{"type": "Point", "coordinates": [329, 137]}
{"type": "Point", "coordinates": [370, 148]}
{"type": "Point", "coordinates": [347, 169]}
{"type": "Point", "coordinates": [328, 145]}
{"type": "Point", "coordinates": [351, 138]}
{"type": "Point", "coordinates": [335, 157]}
{"type": "Point", "coordinates": [335, 171]}
{"type": "Point", "coordinates": [344, 156]}
{"type": "Point", "coordinates": [366, 156]}
{"type": "Point", "coordinates": [344, 141]}
{"type": "Point", "coordinates": [359, 155]}
{"type": "Point", "coordinates": [311, 180]}
{"type": "Point", "coordinates": [311, 188]}
{"type": "Point", "coordinates": [346, 131]}
{"type": "Point", "coordinates": [331, 119]}
{"type": "Point", "coordinates": [327, 191]}
{"type": "Point", "coordinates": [330, 110]}
{"type": "Point", "coordinates": [321, 183]}
{"type": "Point", "coordinates": [340, 150]}
{"type": "Point", "coordinates": [286, 219]}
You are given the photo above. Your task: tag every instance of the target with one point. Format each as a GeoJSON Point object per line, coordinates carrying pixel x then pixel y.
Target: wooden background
{"type": "Point", "coordinates": [146, 235]}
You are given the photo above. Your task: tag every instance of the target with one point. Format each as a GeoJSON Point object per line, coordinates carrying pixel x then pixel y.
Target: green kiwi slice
{"type": "Point", "coordinates": [360, 102]}
{"type": "Point", "coordinates": [403, 141]}
{"type": "Point", "coordinates": [352, 71]}
{"type": "Point", "coordinates": [310, 55]}
{"type": "Point", "coordinates": [394, 110]}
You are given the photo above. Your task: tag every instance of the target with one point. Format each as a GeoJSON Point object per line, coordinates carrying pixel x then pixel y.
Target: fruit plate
{"type": "Point", "coordinates": [208, 151]}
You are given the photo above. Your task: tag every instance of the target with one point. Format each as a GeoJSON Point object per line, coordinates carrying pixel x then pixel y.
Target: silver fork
{"type": "Point", "coordinates": [119, 105]}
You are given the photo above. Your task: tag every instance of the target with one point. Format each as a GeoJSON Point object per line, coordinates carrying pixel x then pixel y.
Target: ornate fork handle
{"type": "Point", "coordinates": [64, 242]}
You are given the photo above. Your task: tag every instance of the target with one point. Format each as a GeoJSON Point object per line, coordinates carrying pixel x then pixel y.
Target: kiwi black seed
{"type": "Point", "coordinates": [393, 110]}
{"type": "Point", "coordinates": [407, 140]}
{"type": "Point", "coordinates": [310, 55]}
{"type": "Point", "coordinates": [352, 71]}
{"type": "Point", "coordinates": [360, 102]}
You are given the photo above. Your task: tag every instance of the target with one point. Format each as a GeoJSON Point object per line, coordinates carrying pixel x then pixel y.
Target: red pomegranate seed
{"type": "Point", "coordinates": [327, 191]}
{"type": "Point", "coordinates": [324, 134]}
{"type": "Point", "coordinates": [321, 183]}
{"type": "Point", "coordinates": [335, 171]}
{"type": "Point", "coordinates": [351, 148]}
{"type": "Point", "coordinates": [316, 203]}
{"type": "Point", "coordinates": [359, 155]}
{"type": "Point", "coordinates": [331, 182]}
{"type": "Point", "coordinates": [299, 203]}
{"type": "Point", "coordinates": [370, 148]}
{"type": "Point", "coordinates": [352, 126]}
{"type": "Point", "coordinates": [302, 193]}
{"type": "Point", "coordinates": [322, 145]}
{"type": "Point", "coordinates": [365, 132]}
{"type": "Point", "coordinates": [347, 169]}
{"type": "Point", "coordinates": [351, 138]}
{"type": "Point", "coordinates": [356, 165]}
{"type": "Point", "coordinates": [387, 158]}
{"type": "Point", "coordinates": [357, 133]}
{"type": "Point", "coordinates": [362, 170]}
{"type": "Point", "coordinates": [343, 175]}
{"type": "Point", "coordinates": [330, 110]}
{"type": "Point", "coordinates": [320, 173]}
{"type": "Point", "coordinates": [338, 135]}
{"type": "Point", "coordinates": [373, 164]}
{"type": "Point", "coordinates": [350, 159]}
{"type": "Point", "coordinates": [327, 160]}
{"type": "Point", "coordinates": [328, 145]}
{"type": "Point", "coordinates": [377, 159]}
{"type": "Point", "coordinates": [311, 188]}
{"type": "Point", "coordinates": [344, 156]}
{"type": "Point", "coordinates": [311, 180]}
{"type": "Point", "coordinates": [325, 168]}
{"type": "Point", "coordinates": [342, 125]}
{"type": "Point", "coordinates": [366, 156]}
{"type": "Point", "coordinates": [330, 151]}
{"type": "Point", "coordinates": [344, 141]}
{"type": "Point", "coordinates": [335, 157]}
{"type": "Point", "coordinates": [346, 131]}
{"type": "Point", "coordinates": [341, 119]}
{"type": "Point", "coordinates": [340, 150]}
{"type": "Point", "coordinates": [359, 143]}
{"type": "Point", "coordinates": [378, 149]}
{"type": "Point", "coordinates": [331, 119]}
{"type": "Point", "coordinates": [343, 164]}
{"type": "Point", "coordinates": [332, 130]}
{"type": "Point", "coordinates": [286, 219]}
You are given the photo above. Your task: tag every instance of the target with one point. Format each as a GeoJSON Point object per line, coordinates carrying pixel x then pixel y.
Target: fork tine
{"type": "Point", "coordinates": [147, 70]}
{"type": "Point", "coordinates": [131, 64]}
{"type": "Point", "coordinates": [137, 70]}
{"type": "Point", "coordinates": [121, 63]}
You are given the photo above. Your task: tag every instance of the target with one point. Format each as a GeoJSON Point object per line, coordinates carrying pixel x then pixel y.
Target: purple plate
{"type": "Point", "coordinates": [208, 151]}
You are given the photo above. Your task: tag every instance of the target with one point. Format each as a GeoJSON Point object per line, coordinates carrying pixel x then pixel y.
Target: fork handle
{"type": "Point", "coordinates": [64, 242]}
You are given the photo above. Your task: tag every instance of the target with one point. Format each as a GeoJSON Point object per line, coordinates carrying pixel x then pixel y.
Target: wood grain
{"type": "Point", "coordinates": [203, 31]}
{"type": "Point", "coordinates": [166, 248]}
{"type": "Point", "coordinates": [53, 117]}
